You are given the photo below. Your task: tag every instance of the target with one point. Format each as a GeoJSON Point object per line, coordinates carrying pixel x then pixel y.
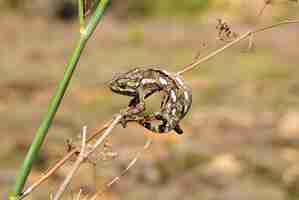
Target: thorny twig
{"type": "Point", "coordinates": [83, 155]}
{"type": "Point", "coordinates": [195, 64]}
{"type": "Point", "coordinates": [60, 163]}
{"type": "Point", "coordinates": [99, 141]}
{"type": "Point", "coordinates": [79, 195]}
{"type": "Point", "coordinates": [124, 172]}
{"type": "Point", "coordinates": [76, 166]}
{"type": "Point", "coordinates": [266, 3]}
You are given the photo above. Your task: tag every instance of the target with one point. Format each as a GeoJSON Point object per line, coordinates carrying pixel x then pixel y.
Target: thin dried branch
{"type": "Point", "coordinates": [60, 163]}
{"type": "Point", "coordinates": [78, 197]}
{"type": "Point", "coordinates": [99, 141]}
{"type": "Point", "coordinates": [124, 172]}
{"type": "Point", "coordinates": [83, 155]}
{"type": "Point", "coordinates": [266, 3]}
{"type": "Point", "coordinates": [196, 64]}
{"type": "Point", "coordinates": [250, 43]}
{"type": "Point", "coordinates": [76, 166]}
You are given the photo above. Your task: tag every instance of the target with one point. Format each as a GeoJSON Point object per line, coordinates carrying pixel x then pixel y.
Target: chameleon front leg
{"type": "Point", "coordinates": [137, 104]}
{"type": "Point", "coordinates": [136, 108]}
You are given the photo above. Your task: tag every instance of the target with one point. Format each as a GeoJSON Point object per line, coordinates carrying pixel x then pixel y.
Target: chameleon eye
{"type": "Point", "coordinates": [122, 82]}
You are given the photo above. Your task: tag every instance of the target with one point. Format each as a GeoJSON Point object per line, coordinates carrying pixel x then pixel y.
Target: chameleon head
{"type": "Point", "coordinates": [124, 84]}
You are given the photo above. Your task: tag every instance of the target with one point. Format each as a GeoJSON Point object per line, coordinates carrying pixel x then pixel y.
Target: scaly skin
{"type": "Point", "coordinates": [140, 83]}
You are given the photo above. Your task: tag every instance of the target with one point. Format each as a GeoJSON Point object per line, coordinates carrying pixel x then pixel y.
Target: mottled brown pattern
{"type": "Point", "coordinates": [141, 83]}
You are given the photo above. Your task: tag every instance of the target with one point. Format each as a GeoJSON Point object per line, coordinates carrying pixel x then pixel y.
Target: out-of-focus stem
{"type": "Point", "coordinates": [81, 15]}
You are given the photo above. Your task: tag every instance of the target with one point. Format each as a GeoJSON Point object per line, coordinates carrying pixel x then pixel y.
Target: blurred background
{"type": "Point", "coordinates": [241, 136]}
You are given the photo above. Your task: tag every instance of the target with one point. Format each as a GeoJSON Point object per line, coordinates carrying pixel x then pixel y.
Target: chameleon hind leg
{"type": "Point", "coordinates": [178, 129]}
{"type": "Point", "coordinates": [169, 124]}
{"type": "Point", "coordinates": [166, 126]}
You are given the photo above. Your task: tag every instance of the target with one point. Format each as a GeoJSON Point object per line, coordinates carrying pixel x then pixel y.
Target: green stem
{"type": "Point", "coordinates": [55, 102]}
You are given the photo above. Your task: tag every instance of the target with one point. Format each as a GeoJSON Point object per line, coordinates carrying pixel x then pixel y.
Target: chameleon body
{"type": "Point", "coordinates": [140, 83]}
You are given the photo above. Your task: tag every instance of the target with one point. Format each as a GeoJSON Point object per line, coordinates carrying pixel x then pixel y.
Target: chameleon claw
{"type": "Point", "coordinates": [123, 122]}
{"type": "Point", "coordinates": [178, 129]}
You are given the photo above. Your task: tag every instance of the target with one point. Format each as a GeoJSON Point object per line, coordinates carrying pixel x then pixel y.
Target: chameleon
{"type": "Point", "coordinates": [140, 83]}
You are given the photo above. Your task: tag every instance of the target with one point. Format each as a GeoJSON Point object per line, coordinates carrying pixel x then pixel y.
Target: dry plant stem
{"type": "Point", "coordinates": [76, 166]}
{"type": "Point", "coordinates": [124, 172]}
{"type": "Point", "coordinates": [79, 195]}
{"type": "Point", "coordinates": [263, 9]}
{"type": "Point", "coordinates": [83, 155]}
{"type": "Point", "coordinates": [196, 64]}
{"type": "Point", "coordinates": [60, 163]}
{"type": "Point", "coordinates": [107, 132]}
{"type": "Point", "coordinates": [250, 43]}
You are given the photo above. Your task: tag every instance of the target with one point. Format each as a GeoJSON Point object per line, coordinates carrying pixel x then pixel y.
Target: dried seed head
{"type": "Point", "coordinates": [224, 31]}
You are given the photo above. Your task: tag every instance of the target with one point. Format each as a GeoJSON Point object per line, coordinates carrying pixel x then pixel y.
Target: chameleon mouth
{"type": "Point", "coordinates": [125, 92]}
